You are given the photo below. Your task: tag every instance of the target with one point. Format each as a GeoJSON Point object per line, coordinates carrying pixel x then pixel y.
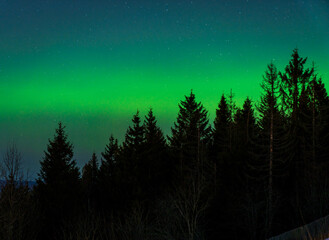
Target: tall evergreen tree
{"type": "Point", "coordinates": [134, 138]}
{"type": "Point", "coordinates": [220, 215]}
{"type": "Point", "coordinates": [232, 126]}
{"type": "Point", "coordinates": [316, 122]}
{"type": "Point", "coordinates": [90, 175]}
{"type": "Point", "coordinates": [90, 170]}
{"type": "Point", "coordinates": [109, 158]}
{"type": "Point", "coordinates": [190, 134]}
{"type": "Point", "coordinates": [269, 169]}
{"type": "Point", "coordinates": [246, 131]}
{"type": "Point", "coordinates": [294, 82]}
{"type": "Point", "coordinates": [153, 134]}
{"type": "Point", "coordinates": [246, 125]}
{"type": "Point", "coordinates": [58, 188]}
{"type": "Point", "coordinates": [109, 171]}
{"type": "Point", "coordinates": [240, 188]}
{"type": "Point", "coordinates": [156, 166]}
{"type": "Point", "coordinates": [221, 138]}
{"type": "Point", "coordinates": [221, 144]}
{"type": "Point", "coordinates": [131, 158]}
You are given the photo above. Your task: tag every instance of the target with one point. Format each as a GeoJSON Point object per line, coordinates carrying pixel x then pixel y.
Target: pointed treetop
{"type": "Point", "coordinates": [111, 150]}
{"type": "Point", "coordinates": [58, 162]}
{"type": "Point", "coordinates": [192, 121]}
{"type": "Point", "coordinates": [222, 114]}
{"type": "Point", "coordinates": [135, 133]}
{"type": "Point", "coordinates": [295, 72]}
{"type": "Point", "coordinates": [153, 133]}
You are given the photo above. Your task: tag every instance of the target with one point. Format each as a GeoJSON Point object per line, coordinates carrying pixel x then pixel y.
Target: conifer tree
{"type": "Point", "coordinates": [156, 164]}
{"type": "Point", "coordinates": [245, 142]}
{"type": "Point", "coordinates": [134, 140]}
{"type": "Point", "coordinates": [270, 165]}
{"type": "Point", "coordinates": [232, 112]}
{"type": "Point", "coordinates": [220, 217]}
{"type": "Point", "coordinates": [58, 188]}
{"type": "Point", "coordinates": [316, 127]}
{"type": "Point", "coordinates": [239, 187]}
{"type": "Point", "coordinates": [220, 149]}
{"type": "Point", "coordinates": [318, 120]}
{"type": "Point", "coordinates": [246, 124]}
{"type": "Point", "coordinates": [109, 158]}
{"type": "Point", "coordinates": [223, 137]}
{"type": "Point", "coordinates": [221, 127]}
{"type": "Point", "coordinates": [153, 134]}
{"type": "Point", "coordinates": [90, 175]}
{"type": "Point", "coordinates": [190, 134]}
{"type": "Point", "coordinates": [134, 137]}
{"type": "Point", "coordinates": [90, 170]}
{"type": "Point", "coordinates": [294, 82]}
{"type": "Point", "coordinates": [131, 158]}
{"type": "Point", "coordinates": [108, 176]}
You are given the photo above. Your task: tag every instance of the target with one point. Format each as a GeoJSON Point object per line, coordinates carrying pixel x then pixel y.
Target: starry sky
{"type": "Point", "coordinates": [92, 64]}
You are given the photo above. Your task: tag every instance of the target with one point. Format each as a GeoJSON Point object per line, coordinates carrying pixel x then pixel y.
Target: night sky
{"type": "Point", "coordinates": [92, 64]}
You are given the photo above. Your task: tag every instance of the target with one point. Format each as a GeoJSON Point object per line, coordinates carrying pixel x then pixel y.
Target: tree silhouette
{"type": "Point", "coordinates": [156, 168]}
{"type": "Point", "coordinates": [109, 157]}
{"type": "Point", "coordinates": [190, 135]}
{"type": "Point", "coordinates": [257, 173]}
{"type": "Point", "coordinates": [270, 167]}
{"type": "Point", "coordinates": [131, 158]}
{"type": "Point", "coordinates": [58, 188]}
{"type": "Point", "coordinates": [221, 138]}
{"type": "Point", "coordinates": [15, 199]}
{"type": "Point", "coordinates": [294, 82]}
{"type": "Point", "coordinates": [90, 177]}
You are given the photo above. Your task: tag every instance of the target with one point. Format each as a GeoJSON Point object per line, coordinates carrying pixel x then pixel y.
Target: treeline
{"type": "Point", "coordinates": [257, 171]}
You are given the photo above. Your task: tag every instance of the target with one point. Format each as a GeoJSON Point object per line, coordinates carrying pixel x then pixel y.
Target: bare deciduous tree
{"type": "Point", "coordinates": [183, 211]}
{"type": "Point", "coordinates": [10, 166]}
{"type": "Point", "coordinates": [14, 197]}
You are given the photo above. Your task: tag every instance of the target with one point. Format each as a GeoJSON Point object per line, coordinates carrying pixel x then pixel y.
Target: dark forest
{"type": "Point", "coordinates": [254, 173]}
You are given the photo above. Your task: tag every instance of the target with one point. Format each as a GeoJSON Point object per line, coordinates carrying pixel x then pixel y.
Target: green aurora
{"type": "Point", "coordinates": [94, 77]}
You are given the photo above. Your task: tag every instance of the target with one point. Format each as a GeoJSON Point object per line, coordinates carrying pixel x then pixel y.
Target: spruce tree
{"type": "Point", "coordinates": [108, 181]}
{"type": "Point", "coordinates": [221, 144]}
{"type": "Point", "coordinates": [239, 187]}
{"type": "Point", "coordinates": [294, 82]}
{"type": "Point", "coordinates": [246, 131]}
{"type": "Point", "coordinates": [156, 165]}
{"type": "Point", "coordinates": [58, 186]}
{"type": "Point", "coordinates": [153, 134]}
{"type": "Point", "coordinates": [90, 175]}
{"type": "Point", "coordinates": [220, 217]}
{"type": "Point", "coordinates": [270, 165]}
{"type": "Point", "coordinates": [90, 170]}
{"type": "Point", "coordinates": [190, 135]}
{"type": "Point", "coordinates": [130, 160]}
{"type": "Point", "coordinates": [317, 153]}
{"type": "Point", "coordinates": [246, 124]}
{"type": "Point", "coordinates": [134, 137]}
{"type": "Point", "coordinates": [109, 158]}
{"type": "Point", "coordinates": [221, 141]}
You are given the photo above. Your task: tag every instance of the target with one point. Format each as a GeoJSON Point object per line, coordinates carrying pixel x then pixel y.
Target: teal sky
{"type": "Point", "coordinates": [92, 64]}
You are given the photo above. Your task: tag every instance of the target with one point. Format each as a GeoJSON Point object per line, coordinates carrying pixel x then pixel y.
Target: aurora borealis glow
{"type": "Point", "coordinates": [92, 64]}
